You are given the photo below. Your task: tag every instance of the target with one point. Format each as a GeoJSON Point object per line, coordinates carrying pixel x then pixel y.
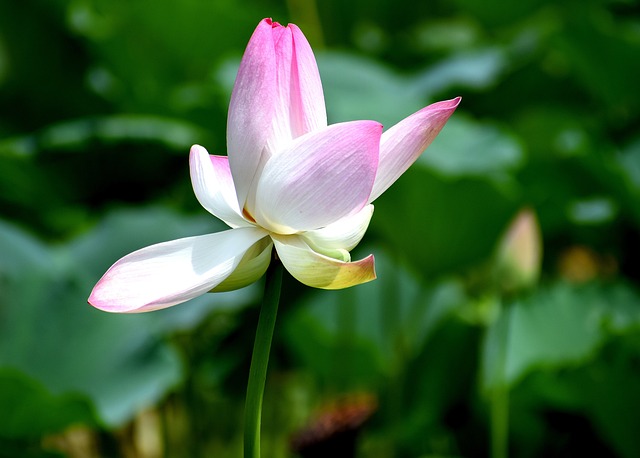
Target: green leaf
{"type": "Point", "coordinates": [601, 397]}
{"type": "Point", "coordinates": [373, 329]}
{"type": "Point", "coordinates": [610, 395]}
{"type": "Point", "coordinates": [81, 134]}
{"type": "Point", "coordinates": [473, 69]}
{"type": "Point", "coordinates": [496, 12]}
{"type": "Point", "coordinates": [48, 331]}
{"type": "Point", "coordinates": [629, 165]}
{"type": "Point", "coordinates": [442, 225]}
{"type": "Point", "coordinates": [29, 410]}
{"type": "Point", "coordinates": [468, 148]}
{"type": "Point", "coordinates": [359, 88]}
{"type": "Point", "coordinates": [557, 327]}
{"type": "Point", "coordinates": [606, 67]}
{"type": "Point", "coordinates": [126, 38]}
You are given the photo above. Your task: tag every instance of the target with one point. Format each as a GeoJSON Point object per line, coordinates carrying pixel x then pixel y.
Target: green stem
{"type": "Point", "coordinates": [260, 360]}
{"type": "Point", "coordinates": [344, 359]}
{"type": "Point", "coordinates": [394, 333]}
{"type": "Point", "coordinates": [500, 421]}
{"type": "Point", "coordinates": [500, 391]}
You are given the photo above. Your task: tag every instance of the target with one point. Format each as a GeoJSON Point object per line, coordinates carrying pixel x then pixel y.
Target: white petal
{"type": "Point", "coordinates": [213, 186]}
{"type": "Point", "coordinates": [344, 234]}
{"type": "Point", "coordinates": [319, 271]}
{"type": "Point", "coordinates": [172, 272]}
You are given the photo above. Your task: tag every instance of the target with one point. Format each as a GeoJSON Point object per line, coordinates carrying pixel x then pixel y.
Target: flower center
{"type": "Point", "coordinates": [248, 215]}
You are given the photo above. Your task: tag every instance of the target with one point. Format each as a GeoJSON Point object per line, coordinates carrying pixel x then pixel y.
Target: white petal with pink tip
{"type": "Point", "coordinates": [168, 273]}
{"type": "Point", "coordinates": [403, 143]}
{"type": "Point", "coordinates": [324, 176]}
{"type": "Point", "coordinates": [213, 186]}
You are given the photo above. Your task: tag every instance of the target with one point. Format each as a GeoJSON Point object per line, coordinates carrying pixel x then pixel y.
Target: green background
{"type": "Point", "coordinates": [100, 101]}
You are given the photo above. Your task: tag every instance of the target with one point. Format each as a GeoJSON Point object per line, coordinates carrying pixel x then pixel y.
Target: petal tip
{"type": "Point", "coordinates": [99, 304]}
{"type": "Point", "coordinates": [446, 107]}
{"type": "Point", "coordinates": [372, 259]}
{"type": "Point", "coordinates": [98, 300]}
{"type": "Point", "coordinates": [197, 149]}
{"type": "Point", "coordinates": [269, 22]}
{"type": "Point", "coordinates": [455, 102]}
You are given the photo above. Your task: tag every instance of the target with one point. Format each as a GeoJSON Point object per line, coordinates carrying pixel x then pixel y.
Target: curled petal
{"type": "Point", "coordinates": [319, 271]}
{"type": "Point", "coordinates": [169, 273]}
{"type": "Point", "coordinates": [253, 265]}
{"type": "Point", "coordinates": [213, 186]}
{"type": "Point", "coordinates": [252, 109]}
{"type": "Point", "coordinates": [344, 234]}
{"type": "Point", "coordinates": [324, 176]}
{"type": "Point", "coordinates": [403, 143]}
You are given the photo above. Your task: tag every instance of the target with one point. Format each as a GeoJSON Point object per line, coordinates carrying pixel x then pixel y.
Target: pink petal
{"type": "Point", "coordinates": [277, 97]}
{"type": "Point", "coordinates": [213, 186]}
{"type": "Point", "coordinates": [300, 105]}
{"type": "Point", "coordinates": [319, 271]}
{"type": "Point", "coordinates": [281, 125]}
{"type": "Point", "coordinates": [402, 144]}
{"type": "Point", "coordinates": [252, 109]}
{"type": "Point", "coordinates": [308, 112]}
{"type": "Point", "coordinates": [324, 176]}
{"type": "Point", "coordinates": [169, 273]}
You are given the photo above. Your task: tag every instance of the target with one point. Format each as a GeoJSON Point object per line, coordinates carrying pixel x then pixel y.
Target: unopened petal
{"type": "Point", "coordinates": [299, 107]}
{"type": "Point", "coordinates": [277, 97]}
{"type": "Point", "coordinates": [253, 265]}
{"type": "Point", "coordinates": [282, 63]}
{"type": "Point", "coordinates": [319, 271]}
{"type": "Point", "coordinates": [344, 234]}
{"type": "Point", "coordinates": [403, 143]}
{"type": "Point", "coordinates": [308, 112]}
{"type": "Point", "coordinates": [252, 109]}
{"type": "Point", "coordinates": [213, 186]}
{"type": "Point", "coordinates": [169, 273]}
{"type": "Point", "coordinates": [324, 176]}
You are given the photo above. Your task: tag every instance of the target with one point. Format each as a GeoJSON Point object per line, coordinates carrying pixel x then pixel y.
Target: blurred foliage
{"type": "Point", "coordinates": [100, 101]}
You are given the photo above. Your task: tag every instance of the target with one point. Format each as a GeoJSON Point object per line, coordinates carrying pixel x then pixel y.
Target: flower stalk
{"type": "Point", "coordinates": [260, 360]}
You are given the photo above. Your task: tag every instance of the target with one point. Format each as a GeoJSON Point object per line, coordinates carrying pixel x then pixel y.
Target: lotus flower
{"type": "Point", "coordinates": [289, 181]}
